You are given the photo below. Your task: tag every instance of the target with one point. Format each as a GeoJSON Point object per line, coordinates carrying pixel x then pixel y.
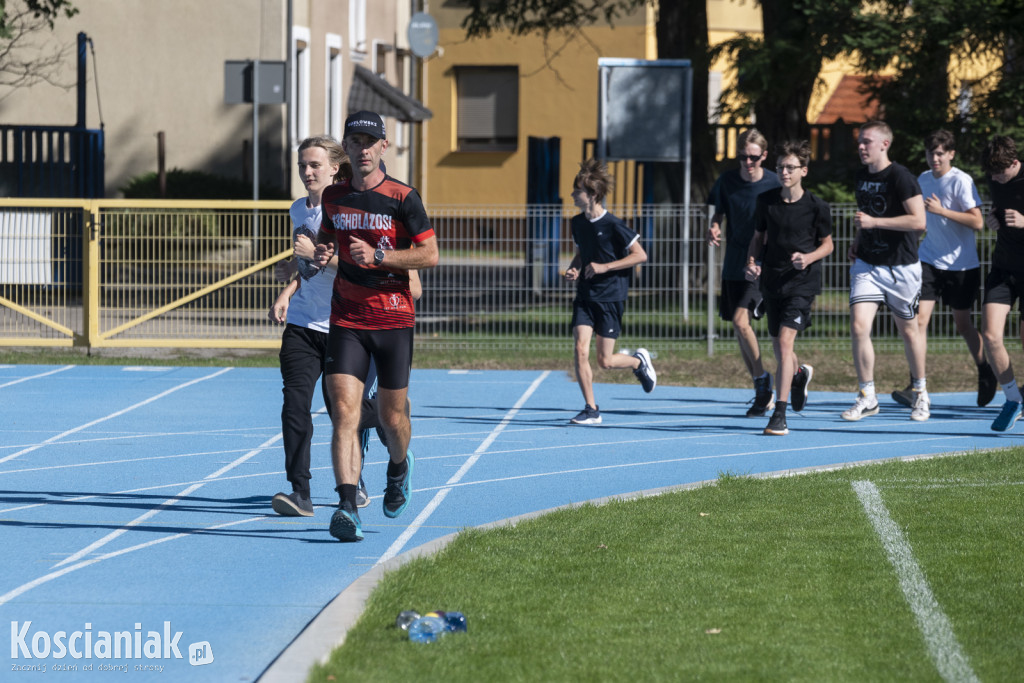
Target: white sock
{"type": "Point", "coordinates": [1011, 391]}
{"type": "Point", "coordinates": [920, 384]}
{"type": "Point", "coordinates": [867, 388]}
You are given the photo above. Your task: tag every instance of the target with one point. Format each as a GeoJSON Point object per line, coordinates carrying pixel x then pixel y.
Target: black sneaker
{"type": "Point", "coordinates": [587, 416]}
{"type": "Point", "coordinates": [764, 399]}
{"type": "Point", "coordinates": [397, 493]}
{"type": "Point", "coordinates": [798, 391]}
{"type": "Point", "coordinates": [292, 505]}
{"type": "Point", "coordinates": [645, 373]}
{"type": "Point", "coordinates": [777, 425]}
{"type": "Point", "coordinates": [346, 525]}
{"type": "Point", "coordinates": [905, 397]}
{"type": "Point", "coordinates": [987, 384]}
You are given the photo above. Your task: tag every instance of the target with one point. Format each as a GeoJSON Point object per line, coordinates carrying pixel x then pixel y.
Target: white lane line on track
{"type": "Point", "coordinates": [939, 638]}
{"type": "Point", "coordinates": [24, 588]}
{"type": "Point", "coordinates": [40, 375]}
{"type": "Point", "coordinates": [411, 530]}
{"type": "Point", "coordinates": [621, 465]}
{"type": "Point", "coordinates": [111, 416]}
{"type": "Point", "coordinates": [152, 512]}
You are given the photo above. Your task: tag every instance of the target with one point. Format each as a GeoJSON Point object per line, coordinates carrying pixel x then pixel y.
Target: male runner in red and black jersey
{"type": "Point", "coordinates": [372, 221]}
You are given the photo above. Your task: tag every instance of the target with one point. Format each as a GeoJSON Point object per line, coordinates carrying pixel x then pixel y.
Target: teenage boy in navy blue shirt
{"type": "Point", "coordinates": [734, 197]}
{"type": "Point", "coordinates": [606, 252]}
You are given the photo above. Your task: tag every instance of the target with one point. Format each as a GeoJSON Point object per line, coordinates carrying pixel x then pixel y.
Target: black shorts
{"type": "Point", "coordinates": [349, 352]}
{"type": "Point", "coordinates": [788, 311]}
{"type": "Point", "coordinates": [604, 316]}
{"type": "Point", "coordinates": [1003, 287]}
{"type": "Point", "coordinates": [740, 294]}
{"type": "Point", "coordinates": [958, 289]}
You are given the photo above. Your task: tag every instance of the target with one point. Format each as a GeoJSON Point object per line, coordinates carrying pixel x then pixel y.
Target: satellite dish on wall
{"type": "Point", "coordinates": [422, 34]}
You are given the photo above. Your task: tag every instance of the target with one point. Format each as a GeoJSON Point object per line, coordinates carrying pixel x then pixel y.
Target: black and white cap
{"type": "Point", "coordinates": [367, 122]}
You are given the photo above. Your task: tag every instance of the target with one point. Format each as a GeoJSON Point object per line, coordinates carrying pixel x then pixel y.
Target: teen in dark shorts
{"type": "Point", "coordinates": [793, 234]}
{"type": "Point", "coordinates": [734, 197]}
{"type": "Point", "coordinates": [950, 269]}
{"type": "Point", "coordinates": [1004, 285]}
{"type": "Point", "coordinates": [606, 252]}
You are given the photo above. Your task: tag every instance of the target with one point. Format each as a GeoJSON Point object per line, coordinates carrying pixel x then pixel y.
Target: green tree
{"type": "Point", "coordinates": [682, 32]}
{"type": "Point", "coordinates": [26, 57]}
{"type": "Point", "coordinates": [777, 72]}
{"type": "Point", "coordinates": [923, 45]}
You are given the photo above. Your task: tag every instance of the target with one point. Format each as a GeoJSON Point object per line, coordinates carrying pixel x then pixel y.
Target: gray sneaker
{"type": "Point", "coordinates": [292, 505]}
{"type": "Point", "coordinates": [587, 416]}
{"type": "Point", "coordinates": [362, 497]}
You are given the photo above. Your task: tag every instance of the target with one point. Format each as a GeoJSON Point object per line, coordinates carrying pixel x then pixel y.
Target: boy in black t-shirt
{"type": "Point", "coordinates": [886, 270]}
{"type": "Point", "coordinates": [606, 250]}
{"type": "Point", "coordinates": [794, 233]}
{"type": "Point", "coordinates": [1005, 283]}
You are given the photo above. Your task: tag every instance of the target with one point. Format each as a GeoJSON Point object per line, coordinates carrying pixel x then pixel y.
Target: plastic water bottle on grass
{"type": "Point", "coordinates": [427, 629]}
{"type": "Point", "coordinates": [404, 619]}
{"type": "Point", "coordinates": [456, 621]}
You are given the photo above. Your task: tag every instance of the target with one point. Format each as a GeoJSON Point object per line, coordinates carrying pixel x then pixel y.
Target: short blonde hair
{"type": "Point", "coordinates": [752, 136]}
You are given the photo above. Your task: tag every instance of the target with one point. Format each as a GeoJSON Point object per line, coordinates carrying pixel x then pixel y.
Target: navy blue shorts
{"type": "Point", "coordinates": [604, 316]}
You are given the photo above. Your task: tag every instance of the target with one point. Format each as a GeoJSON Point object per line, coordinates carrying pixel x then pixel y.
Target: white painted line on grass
{"type": "Point", "coordinates": [118, 413]}
{"type": "Point", "coordinates": [938, 634]}
{"type": "Point", "coordinates": [32, 377]}
{"type": "Point", "coordinates": [411, 530]}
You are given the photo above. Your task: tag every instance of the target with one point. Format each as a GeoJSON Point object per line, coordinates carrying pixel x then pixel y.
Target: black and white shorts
{"type": "Point", "coordinates": [898, 287]}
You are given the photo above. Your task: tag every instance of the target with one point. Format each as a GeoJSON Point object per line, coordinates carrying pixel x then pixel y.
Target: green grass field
{"type": "Point", "coordinates": [749, 579]}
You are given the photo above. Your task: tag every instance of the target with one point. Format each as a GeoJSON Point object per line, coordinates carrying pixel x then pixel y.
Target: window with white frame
{"type": "Point", "coordinates": [357, 26]}
{"type": "Point", "coordinates": [332, 103]}
{"type": "Point", "coordinates": [488, 108]}
{"type": "Point", "coordinates": [300, 83]}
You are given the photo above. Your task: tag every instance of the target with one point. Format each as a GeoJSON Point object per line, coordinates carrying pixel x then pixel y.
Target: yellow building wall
{"type": "Point", "coordinates": [557, 98]}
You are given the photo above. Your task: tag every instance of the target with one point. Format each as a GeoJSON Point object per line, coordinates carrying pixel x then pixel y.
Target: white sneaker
{"type": "Point", "coordinates": [921, 409]}
{"type": "Point", "coordinates": [862, 407]}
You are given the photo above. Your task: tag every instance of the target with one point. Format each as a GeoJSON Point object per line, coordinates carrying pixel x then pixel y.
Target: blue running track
{"type": "Point", "coordinates": [135, 501]}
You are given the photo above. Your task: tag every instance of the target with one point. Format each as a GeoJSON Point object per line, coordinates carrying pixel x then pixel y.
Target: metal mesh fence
{"type": "Point", "coordinates": [117, 273]}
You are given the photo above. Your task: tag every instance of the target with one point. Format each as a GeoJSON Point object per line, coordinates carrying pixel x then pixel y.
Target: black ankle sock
{"type": "Point", "coordinates": [396, 470]}
{"type": "Point", "coordinates": [780, 406]}
{"type": "Point", "coordinates": [347, 494]}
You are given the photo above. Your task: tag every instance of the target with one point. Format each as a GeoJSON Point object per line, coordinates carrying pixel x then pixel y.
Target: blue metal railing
{"type": "Point", "coordinates": [52, 162]}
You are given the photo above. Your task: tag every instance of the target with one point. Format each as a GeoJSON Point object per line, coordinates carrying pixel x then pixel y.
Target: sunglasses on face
{"type": "Point", "coordinates": [749, 157]}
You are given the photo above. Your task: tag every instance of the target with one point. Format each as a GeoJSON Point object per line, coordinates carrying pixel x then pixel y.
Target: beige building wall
{"type": "Point", "coordinates": [159, 66]}
{"type": "Point", "coordinates": [557, 98]}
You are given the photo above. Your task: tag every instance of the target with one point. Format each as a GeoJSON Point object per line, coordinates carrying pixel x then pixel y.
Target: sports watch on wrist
{"type": "Point", "coordinates": [378, 257]}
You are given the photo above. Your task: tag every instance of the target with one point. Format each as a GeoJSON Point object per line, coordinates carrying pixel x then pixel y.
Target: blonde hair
{"type": "Point", "coordinates": [752, 136]}
{"type": "Point", "coordinates": [335, 154]}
